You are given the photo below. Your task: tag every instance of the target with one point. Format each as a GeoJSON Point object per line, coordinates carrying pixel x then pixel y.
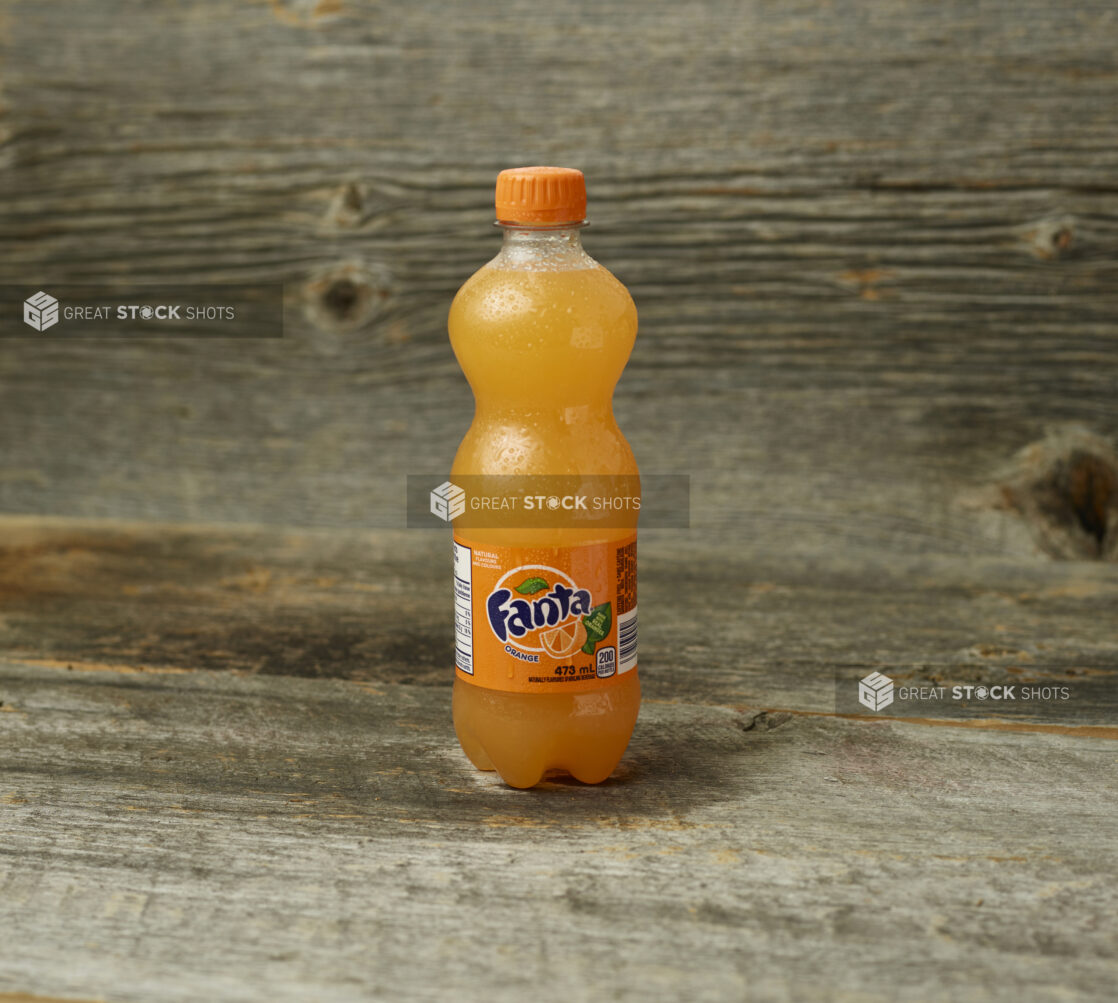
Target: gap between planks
{"type": "Point", "coordinates": [982, 724]}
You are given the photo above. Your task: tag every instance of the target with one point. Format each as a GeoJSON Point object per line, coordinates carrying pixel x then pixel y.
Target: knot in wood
{"type": "Point", "coordinates": [1066, 489]}
{"type": "Point", "coordinates": [1051, 238]}
{"type": "Point", "coordinates": [347, 296]}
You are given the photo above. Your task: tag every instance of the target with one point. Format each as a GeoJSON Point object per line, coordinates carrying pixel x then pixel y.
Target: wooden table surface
{"type": "Point", "coordinates": [874, 249]}
{"type": "Point", "coordinates": [229, 772]}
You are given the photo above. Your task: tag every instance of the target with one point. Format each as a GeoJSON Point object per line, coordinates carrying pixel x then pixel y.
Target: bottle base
{"type": "Point", "coordinates": [525, 737]}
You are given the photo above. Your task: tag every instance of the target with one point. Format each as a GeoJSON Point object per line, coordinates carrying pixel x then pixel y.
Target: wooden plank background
{"type": "Point", "coordinates": [189, 835]}
{"type": "Point", "coordinates": [874, 248]}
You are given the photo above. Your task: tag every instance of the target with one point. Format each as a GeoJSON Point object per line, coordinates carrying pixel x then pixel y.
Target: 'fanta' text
{"type": "Point", "coordinates": [516, 617]}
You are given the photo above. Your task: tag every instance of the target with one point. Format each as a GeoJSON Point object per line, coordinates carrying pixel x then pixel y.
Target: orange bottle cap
{"type": "Point", "coordinates": [541, 195]}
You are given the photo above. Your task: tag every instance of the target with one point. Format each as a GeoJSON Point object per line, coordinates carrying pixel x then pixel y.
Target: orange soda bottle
{"type": "Point", "coordinates": [545, 639]}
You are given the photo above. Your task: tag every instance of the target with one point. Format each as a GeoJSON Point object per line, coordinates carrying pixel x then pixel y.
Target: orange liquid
{"type": "Point", "coordinates": [542, 348]}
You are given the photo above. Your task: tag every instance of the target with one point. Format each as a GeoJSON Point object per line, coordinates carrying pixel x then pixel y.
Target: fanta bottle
{"type": "Point", "coordinates": [545, 611]}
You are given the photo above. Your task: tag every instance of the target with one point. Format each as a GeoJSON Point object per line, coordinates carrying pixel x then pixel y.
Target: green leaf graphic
{"type": "Point", "coordinates": [597, 623]}
{"type": "Point", "coordinates": [530, 586]}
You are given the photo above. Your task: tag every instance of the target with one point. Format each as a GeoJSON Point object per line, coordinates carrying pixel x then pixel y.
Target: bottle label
{"type": "Point", "coordinates": [545, 619]}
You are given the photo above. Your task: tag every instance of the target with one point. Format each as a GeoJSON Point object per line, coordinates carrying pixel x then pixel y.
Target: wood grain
{"type": "Point", "coordinates": [728, 627]}
{"type": "Point", "coordinates": [873, 250]}
{"type": "Point", "coordinates": [177, 835]}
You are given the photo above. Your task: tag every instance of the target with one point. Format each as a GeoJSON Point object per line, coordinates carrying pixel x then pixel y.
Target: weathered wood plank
{"type": "Point", "coordinates": [874, 250]}
{"type": "Point", "coordinates": [171, 836]}
{"type": "Point", "coordinates": [28, 998]}
{"type": "Point", "coordinates": [868, 272]}
{"type": "Point", "coordinates": [727, 625]}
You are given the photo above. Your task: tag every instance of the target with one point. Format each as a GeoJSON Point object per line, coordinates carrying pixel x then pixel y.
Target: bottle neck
{"type": "Point", "coordinates": [552, 247]}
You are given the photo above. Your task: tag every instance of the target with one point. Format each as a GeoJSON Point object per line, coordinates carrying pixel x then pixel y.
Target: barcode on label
{"type": "Point", "coordinates": [627, 641]}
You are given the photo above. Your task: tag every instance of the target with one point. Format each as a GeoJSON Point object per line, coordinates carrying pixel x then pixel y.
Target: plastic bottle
{"type": "Point", "coordinates": [542, 333]}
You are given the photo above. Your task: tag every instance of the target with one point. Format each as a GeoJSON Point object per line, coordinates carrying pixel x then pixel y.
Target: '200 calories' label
{"type": "Point", "coordinates": [545, 619]}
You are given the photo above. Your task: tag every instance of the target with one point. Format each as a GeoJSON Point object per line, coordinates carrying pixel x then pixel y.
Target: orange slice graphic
{"type": "Point", "coordinates": [564, 640]}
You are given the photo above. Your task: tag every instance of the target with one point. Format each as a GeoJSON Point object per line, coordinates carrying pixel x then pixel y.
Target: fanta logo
{"type": "Point", "coordinates": [543, 598]}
